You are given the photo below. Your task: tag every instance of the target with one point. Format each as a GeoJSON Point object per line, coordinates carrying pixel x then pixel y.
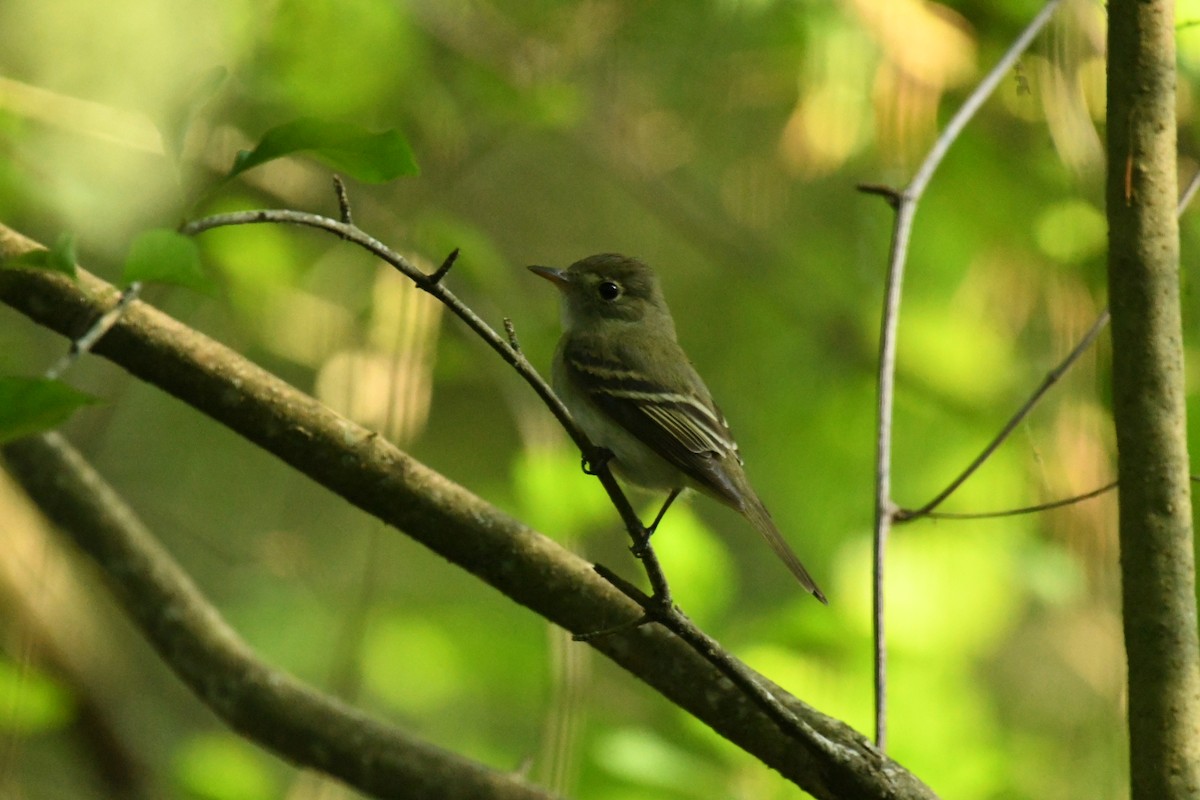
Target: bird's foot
{"type": "Point", "coordinates": [590, 462]}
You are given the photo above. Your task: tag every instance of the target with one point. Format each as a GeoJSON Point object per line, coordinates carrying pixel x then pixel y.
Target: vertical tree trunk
{"type": "Point", "coordinates": [1157, 546]}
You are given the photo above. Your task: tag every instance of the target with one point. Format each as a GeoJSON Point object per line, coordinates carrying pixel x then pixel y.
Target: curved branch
{"type": "Point", "coordinates": [833, 761]}
{"type": "Point", "coordinates": [904, 203]}
{"type": "Point", "coordinates": [271, 707]}
{"type": "Point", "coordinates": [907, 516]}
{"type": "Point", "coordinates": [1052, 377]}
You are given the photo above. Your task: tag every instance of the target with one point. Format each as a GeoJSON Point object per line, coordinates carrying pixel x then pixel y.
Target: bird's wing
{"type": "Point", "coordinates": [673, 414]}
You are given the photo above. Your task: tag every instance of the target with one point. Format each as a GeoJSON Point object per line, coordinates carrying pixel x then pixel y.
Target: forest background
{"type": "Point", "coordinates": [721, 142]}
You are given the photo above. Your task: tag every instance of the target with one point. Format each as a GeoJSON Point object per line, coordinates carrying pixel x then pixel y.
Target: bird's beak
{"type": "Point", "coordinates": [558, 277]}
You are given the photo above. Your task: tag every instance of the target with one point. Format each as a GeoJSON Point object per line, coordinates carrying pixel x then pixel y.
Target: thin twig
{"type": "Point", "coordinates": [343, 198]}
{"type": "Point", "coordinates": [654, 571]}
{"type": "Point", "coordinates": [511, 331]}
{"type": "Point", "coordinates": [905, 202]}
{"type": "Point", "coordinates": [436, 276]}
{"type": "Point", "coordinates": [978, 97]}
{"type": "Point", "coordinates": [889, 193]}
{"type": "Point", "coordinates": [907, 516]}
{"type": "Point", "coordinates": [92, 335]}
{"type": "Point", "coordinates": [355, 235]}
{"type": "Point", "coordinates": [926, 510]}
{"type": "Point", "coordinates": [883, 455]}
{"type": "Point", "coordinates": [674, 620]}
{"type": "Point", "coordinates": [1052, 377]}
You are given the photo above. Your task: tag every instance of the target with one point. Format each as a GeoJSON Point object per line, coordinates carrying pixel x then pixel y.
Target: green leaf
{"type": "Point", "coordinates": [165, 256]}
{"type": "Point", "coordinates": [34, 405]}
{"type": "Point", "coordinates": [62, 257]}
{"type": "Point", "coordinates": [59, 258]}
{"type": "Point", "coordinates": [348, 148]}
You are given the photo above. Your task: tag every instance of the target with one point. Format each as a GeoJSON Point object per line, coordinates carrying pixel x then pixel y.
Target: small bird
{"type": "Point", "coordinates": [621, 373]}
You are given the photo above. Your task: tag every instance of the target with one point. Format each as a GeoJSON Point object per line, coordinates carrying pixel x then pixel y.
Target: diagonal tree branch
{"type": "Point", "coordinates": [825, 757]}
{"type": "Point", "coordinates": [263, 703]}
{"type": "Point", "coordinates": [1052, 377]}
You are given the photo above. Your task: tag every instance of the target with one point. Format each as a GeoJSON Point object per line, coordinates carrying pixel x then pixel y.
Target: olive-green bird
{"type": "Point", "coordinates": [620, 371]}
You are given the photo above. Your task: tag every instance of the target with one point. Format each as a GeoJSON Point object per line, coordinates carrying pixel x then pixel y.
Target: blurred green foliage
{"type": "Point", "coordinates": [33, 405]}
{"type": "Point", "coordinates": [31, 702]}
{"type": "Point", "coordinates": [59, 257]}
{"type": "Point", "coordinates": [721, 141]}
{"type": "Point", "coordinates": [164, 256]}
{"type": "Point", "coordinates": [219, 766]}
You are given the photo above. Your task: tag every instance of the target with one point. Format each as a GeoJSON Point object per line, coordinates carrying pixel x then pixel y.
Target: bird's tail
{"type": "Point", "coordinates": [757, 513]}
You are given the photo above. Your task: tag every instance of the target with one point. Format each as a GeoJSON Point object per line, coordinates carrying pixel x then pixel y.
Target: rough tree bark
{"type": "Point", "coordinates": [1157, 542]}
{"type": "Point", "coordinates": [834, 763]}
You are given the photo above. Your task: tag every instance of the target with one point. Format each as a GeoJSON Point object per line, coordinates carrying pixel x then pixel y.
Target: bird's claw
{"type": "Point", "coordinates": [598, 458]}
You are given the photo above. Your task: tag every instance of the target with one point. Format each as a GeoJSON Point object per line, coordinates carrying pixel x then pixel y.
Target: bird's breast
{"type": "Point", "coordinates": [632, 460]}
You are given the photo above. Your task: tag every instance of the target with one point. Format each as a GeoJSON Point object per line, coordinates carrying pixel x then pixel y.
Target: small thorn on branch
{"type": "Point", "coordinates": [434, 278]}
{"type": "Point", "coordinates": [512, 335]}
{"type": "Point", "coordinates": [339, 188]}
{"type": "Point", "coordinates": [891, 195]}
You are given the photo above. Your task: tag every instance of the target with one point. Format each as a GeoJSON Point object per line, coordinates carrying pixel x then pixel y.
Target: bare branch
{"type": "Point", "coordinates": [436, 277]}
{"type": "Point", "coordinates": [273, 708]}
{"type": "Point", "coordinates": [1052, 377]}
{"type": "Point", "coordinates": [905, 204]}
{"type": "Point", "coordinates": [343, 198]}
{"type": "Point", "coordinates": [908, 516]}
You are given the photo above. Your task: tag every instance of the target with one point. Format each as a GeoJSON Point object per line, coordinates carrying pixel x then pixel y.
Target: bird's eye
{"type": "Point", "coordinates": [609, 290]}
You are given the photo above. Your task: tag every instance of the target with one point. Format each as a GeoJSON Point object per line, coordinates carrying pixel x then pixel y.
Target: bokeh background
{"type": "Point", "coordinates": [721, 141]}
